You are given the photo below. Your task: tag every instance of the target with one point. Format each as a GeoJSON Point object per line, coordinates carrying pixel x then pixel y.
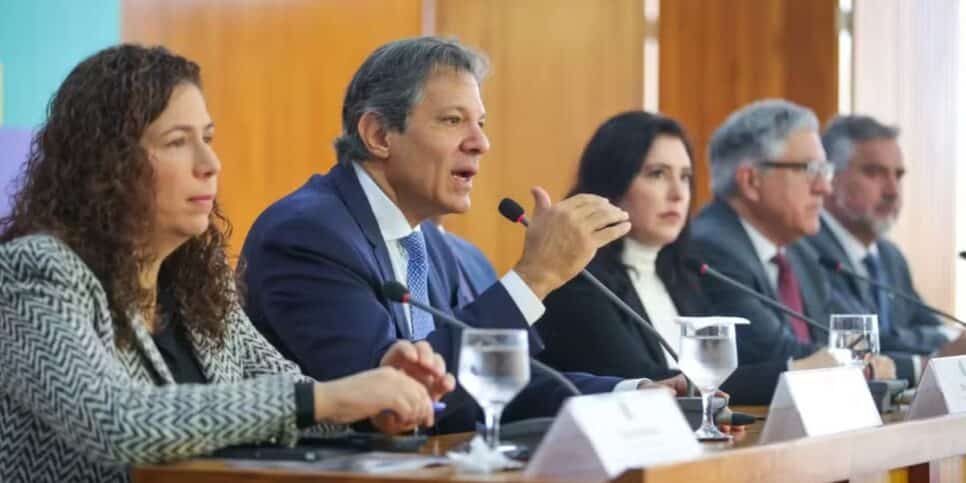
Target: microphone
{"type": "Point", "coordinates": [512, 211]}
{"type": "Point", "coordinates": [731, 418]}
{"type": "Point", "coordinates": [839, 267]}
{"type": "Point", "coordinates": [962, 255]}
{"type": "Point", "coordinates": [398, 292]}
{"type": "Point", "coordinates": [704, 269]}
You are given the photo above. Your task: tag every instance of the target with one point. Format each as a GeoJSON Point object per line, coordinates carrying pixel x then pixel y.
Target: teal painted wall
{"type": "Point", "coordinates": [40, 41]}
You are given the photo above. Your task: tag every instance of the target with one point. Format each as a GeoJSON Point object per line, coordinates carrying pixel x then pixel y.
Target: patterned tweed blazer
{"type": "Point", "coordinates": [75, 407]}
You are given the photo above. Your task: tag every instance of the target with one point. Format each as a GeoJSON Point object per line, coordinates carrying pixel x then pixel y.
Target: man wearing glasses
{"type": "Point", "coordinates": [769, 177]}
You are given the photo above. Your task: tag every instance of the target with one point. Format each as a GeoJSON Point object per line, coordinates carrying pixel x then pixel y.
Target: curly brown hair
{"type": "Point", "coordinates": [88, 181]}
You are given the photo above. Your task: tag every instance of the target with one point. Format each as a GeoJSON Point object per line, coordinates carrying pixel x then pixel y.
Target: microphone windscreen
{"type": "Point", "coordinates": [828, 263]}
{"type": "Point", "coordinates": [694, 264]}
{"type": "Point", "coordinates": [395, 291]}
{"type": "Point", "coordinates": [511, 210]}
{"type": "Point", "coordinates": [962, 255]}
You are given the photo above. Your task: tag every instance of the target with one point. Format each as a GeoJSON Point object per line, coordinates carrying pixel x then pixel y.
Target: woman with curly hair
{"type": "Point", "coordinates": [121, 337]}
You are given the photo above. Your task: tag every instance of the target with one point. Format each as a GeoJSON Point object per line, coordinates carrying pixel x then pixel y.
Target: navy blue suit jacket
{"type": "Point", "coordinates": [314, 264]}
{"type": "Point", "coordinates": [913, 328]}
{"type": "Point", "coordinates": [719, 239]}
{"type": "Point", "coordinates": [475, 269]}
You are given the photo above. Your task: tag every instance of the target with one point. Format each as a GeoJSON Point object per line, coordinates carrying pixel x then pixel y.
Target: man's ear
{"type": "Point", "coordinates": [748, 180]}
{"type": "Point", "coordinates": [374, 135]}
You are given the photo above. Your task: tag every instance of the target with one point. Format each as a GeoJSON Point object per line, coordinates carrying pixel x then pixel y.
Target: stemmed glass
{"type": "Point", "coordinates": [494, 366]}
{"type": "Point", "coordinates": [853, 338]}
{"type": "Point", "coordinates": [708, 355]}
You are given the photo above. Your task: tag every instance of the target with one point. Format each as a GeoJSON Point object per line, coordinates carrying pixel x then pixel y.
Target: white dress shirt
{"type": "Point", "coordinates": [641, 261]}
{"type": "Point", "coordinates": [393, 226]}
{"type": "Point", "coordinates": [766, 251]}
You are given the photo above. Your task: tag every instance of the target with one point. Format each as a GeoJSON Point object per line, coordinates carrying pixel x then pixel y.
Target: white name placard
{"type": "Point", "coordinates": [942, 389]}
{"type": "Point", "coordinates": [598, 437]}
{"type": "Point", "coordinates": [819, 401]}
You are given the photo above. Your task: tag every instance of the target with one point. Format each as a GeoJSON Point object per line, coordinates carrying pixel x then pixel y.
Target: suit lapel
{"type": "Point", "coordinates": [149, 352]}
{"type": "Point", "coordinates": [616, 277]}
{"type": "Point", "coordinates": [810, 284]}
{"type": "Point", "coordinates": [218, 365]}
{"type": "Point", "coordinates": [899, 310]}
{"type": "Point", "coordinates": [733, 230]}
{"type": "Point", "coordinates": [347, 184]}
{"type": "Point", "coordinates": [830, 244]}
{"type": "Point", "coordinates": [440, 286]}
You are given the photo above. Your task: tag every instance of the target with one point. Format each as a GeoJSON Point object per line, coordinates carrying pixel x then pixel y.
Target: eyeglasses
{"type": "Point", "coordinates": [813, 169]}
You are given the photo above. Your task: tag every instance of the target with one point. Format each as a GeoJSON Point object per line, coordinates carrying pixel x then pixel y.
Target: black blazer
{"type": "Point", "coordinates": [584, 331]}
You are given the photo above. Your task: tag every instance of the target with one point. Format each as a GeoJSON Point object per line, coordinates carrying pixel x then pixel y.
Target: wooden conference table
{"type": "Point", "coordinates": [930, 450]}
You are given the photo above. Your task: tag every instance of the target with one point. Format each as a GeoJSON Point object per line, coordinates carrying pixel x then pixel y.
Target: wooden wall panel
{"type": "Point", "coordinates": [559, 68]}
{"type": "Point", "coordinates": [275, 73]}
{"type": "Point", "coordinates": [718, 55]}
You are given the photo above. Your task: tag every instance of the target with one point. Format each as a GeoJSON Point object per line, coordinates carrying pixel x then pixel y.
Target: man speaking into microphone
{"type": "Point", "coordinates": [413, 135]}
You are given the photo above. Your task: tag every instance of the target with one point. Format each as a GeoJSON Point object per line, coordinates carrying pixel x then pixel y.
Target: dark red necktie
{"type": "Point", "coordinates": [791, 295]}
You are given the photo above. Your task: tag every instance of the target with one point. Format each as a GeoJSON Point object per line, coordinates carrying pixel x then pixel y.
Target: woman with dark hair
{"type": "Point", "coordinates": [642, 163]}
{"type": "Point", "coordinates": [121, 337]}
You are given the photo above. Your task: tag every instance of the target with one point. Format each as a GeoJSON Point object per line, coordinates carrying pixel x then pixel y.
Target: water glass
{"type": "Point", "coordinates": [853, 338]}
{"type": "Point", "coordinates": [708, 355]}
{"type": "Point", "coordinates": [494, 365]}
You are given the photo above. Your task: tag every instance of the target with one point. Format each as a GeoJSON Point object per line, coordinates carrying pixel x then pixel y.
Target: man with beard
{"type": "Point", "coordinates": [863, 205]}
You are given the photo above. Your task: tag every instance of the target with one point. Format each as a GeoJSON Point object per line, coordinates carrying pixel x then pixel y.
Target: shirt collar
{"type": "Point", "coordinates": [764, 248]}
{"type": "Point", "coordinates": [390, 219]}
{"type": "Point", "coordinates": [854, 249]}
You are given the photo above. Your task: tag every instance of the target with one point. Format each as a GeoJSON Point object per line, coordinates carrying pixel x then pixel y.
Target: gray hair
{"type": "Point", "coordinates": [756, 132]}
{"type": "Point", "coordinates": [390, 82]}
{"type": "Point", "coordinates": [843, 132]}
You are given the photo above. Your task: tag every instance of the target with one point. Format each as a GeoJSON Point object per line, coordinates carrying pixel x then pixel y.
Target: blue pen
{"type": "Point", "coordinates": [438, 407]}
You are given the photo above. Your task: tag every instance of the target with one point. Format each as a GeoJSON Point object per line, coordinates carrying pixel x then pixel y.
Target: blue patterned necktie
{"type": "Point", "coordinates": [881, 297]}
{"type": "Point", "coordinates": [417, 278]}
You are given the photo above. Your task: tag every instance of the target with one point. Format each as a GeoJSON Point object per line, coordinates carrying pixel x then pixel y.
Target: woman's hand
{"type": "Point", "coordinates": [677, 384]}
{"type": "Point", "coordinates": [386, 394]}
{"type": "Point", "coordinates": [421, 363]}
